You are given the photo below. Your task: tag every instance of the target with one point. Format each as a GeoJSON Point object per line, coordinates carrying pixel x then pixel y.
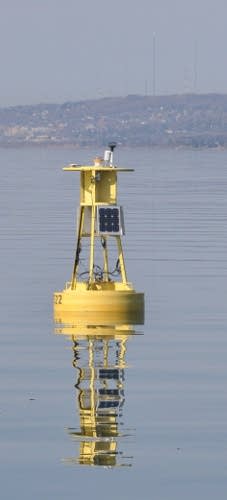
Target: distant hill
{"type": "Point", "coordinates": [166, 121]}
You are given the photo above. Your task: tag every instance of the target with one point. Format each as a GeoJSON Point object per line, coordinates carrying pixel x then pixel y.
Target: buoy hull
{"type": "Point", "coordinates": [108, 306]}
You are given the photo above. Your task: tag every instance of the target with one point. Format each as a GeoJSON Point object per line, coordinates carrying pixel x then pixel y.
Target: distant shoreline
{"type": "Point", "coordinates": [98, 147]}
{"type": "Point", "coordinates": [186, 121]}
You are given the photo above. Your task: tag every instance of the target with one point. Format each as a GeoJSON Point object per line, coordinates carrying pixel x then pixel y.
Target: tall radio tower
{"type": "Point", "coordinates": [154, 63]}
{"type": "Point", "coordinates": [195, 67]}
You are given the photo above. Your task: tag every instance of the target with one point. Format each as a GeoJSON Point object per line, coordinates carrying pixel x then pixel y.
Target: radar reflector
{"type": "Point", "coordinates": [110, 220]}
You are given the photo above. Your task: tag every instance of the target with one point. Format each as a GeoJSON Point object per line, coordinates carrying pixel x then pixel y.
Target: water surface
{"type": "Point", "coordinates": [170, 402]}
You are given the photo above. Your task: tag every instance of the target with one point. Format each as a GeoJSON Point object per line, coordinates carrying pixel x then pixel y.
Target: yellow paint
{"type": "Point", "coordinates": [100, 293]}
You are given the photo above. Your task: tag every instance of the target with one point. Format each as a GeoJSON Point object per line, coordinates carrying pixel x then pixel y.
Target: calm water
{"type": "Point", "coordinates": [166, 421]}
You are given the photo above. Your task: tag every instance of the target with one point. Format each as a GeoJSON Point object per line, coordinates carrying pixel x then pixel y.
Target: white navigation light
{"type": "Point", "coordinates": [107, 156]}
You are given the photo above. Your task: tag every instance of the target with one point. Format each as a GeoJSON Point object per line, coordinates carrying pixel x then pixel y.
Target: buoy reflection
{"type": "Point", "coordinates": [99, 358]}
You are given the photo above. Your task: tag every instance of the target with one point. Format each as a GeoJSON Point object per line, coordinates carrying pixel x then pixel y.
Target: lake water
{"type": "Point", "coordinates": [167, 437]}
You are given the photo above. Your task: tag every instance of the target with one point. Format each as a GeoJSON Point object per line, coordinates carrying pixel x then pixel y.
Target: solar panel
{"type": "Point", "coordinates": [109, 220]}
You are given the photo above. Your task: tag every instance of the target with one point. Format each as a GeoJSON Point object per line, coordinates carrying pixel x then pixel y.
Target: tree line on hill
{"type": "Point", "coordinates": [187, 120]}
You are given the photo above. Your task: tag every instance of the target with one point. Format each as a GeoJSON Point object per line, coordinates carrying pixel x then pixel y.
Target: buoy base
{"type": "Point", "coordinates": [102, 303]}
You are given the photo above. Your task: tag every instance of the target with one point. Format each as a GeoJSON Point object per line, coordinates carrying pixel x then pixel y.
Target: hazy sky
{"type": "Point", "coordinates": [62, 50]}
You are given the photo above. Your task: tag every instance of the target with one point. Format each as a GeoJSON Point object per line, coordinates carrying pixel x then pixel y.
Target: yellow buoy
{"type": "Point", "coordinates": [96, 290]}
